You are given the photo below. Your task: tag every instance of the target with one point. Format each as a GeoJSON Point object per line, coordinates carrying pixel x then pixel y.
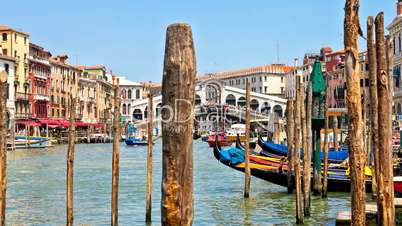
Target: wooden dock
{"type": "Point", "coordinates": [344, 217]}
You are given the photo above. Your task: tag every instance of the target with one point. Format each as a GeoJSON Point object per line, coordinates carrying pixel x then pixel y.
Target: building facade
{"type": "Point", "coordinates": [7, 64]}
{"type": "Point", "coordinates": [39, 77]}
{"type": "Point", "coordinates": [269, 79]}
{"type": "Point", "coordinates": [15, 44]}
{"type": "Point", "coordinates": [130, 92]}
{"type": "Point", "coordinates": [395, 32]}
{"type": "Point", "coordinates": [64, 84]}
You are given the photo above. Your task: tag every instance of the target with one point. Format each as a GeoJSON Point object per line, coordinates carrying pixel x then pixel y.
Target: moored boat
{"type": "Point", "coordinates": [282, 150]}
{"type": "Point", "coordinates": [136, 141]}
{"type": "Point", "coordinates": [222, 140]}
{"type": "Point", "coordinates": [338, 181]}
{"type": "Point", "coordinates": [398, 186]}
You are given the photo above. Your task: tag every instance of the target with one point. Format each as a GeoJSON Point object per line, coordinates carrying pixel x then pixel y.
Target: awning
{"type": "Point", "coordinates": [50, 122]}
{"type": "Point", "coordinates": [82, 124]}
{"type": "Point", "coordinates": [98, 125]}
{"type": "Point", "coordinates": [27, 122]}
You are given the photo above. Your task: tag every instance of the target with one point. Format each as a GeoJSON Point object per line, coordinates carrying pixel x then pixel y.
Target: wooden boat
{"type": "Point", "coordinates": [131, 141]}
{"type": "Point", "coordinates": [282, 150]}
{"type": "Point", "coordinates": [23, 142]}
{"type": "Point", "coordinates": [235, 131]}
{"type": "Point", "coordinates": [222, 140]}
{"type": "Point", "coordinates": [337, 180]}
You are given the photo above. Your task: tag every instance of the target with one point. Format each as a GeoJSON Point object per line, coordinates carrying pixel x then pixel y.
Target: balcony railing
{"type": "Point", "coordinates": [41, 97]}
{"type": "Point", "coordinates": [22, 96]}
{"type": "Point", "coordinates": [23, 115]}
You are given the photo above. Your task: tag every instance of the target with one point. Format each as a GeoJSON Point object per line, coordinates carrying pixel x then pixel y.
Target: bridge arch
{"type": "Point", "coordinates": [278, 110]}
{"type": "Point", "coordinates": [241, 101]}
{"type": "Point", "coordinates": [137, 114]}
{"type": "Point", "coordinates": [231, 100]}
{"type": "Point", "coordinates": [213, 90]}
{"type": "Point", "coordinates": [254, 104]}
{"type": "Point", "coordinates": [266, 108]}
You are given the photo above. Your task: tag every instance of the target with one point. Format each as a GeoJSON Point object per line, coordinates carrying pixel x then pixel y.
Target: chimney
{"type": "Point", "coordinates": [399, 7]}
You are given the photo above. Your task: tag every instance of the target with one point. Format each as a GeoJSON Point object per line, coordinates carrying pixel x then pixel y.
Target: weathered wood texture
{"type": "Point", "coordinates": [247, 178]}
{"type": "Point", "coordinates": [3, 150]}
{"type": "Point", "coordinates": [371, 52]}
{"type": "Point", "coordinates": [385, 183]}
{"type": "Point", "coordinates": [357, 156]}
{"type": "Point", "coordinates": [178, 89]}
{"type": "Point", "coordinates": [290, 141]}
{"type": "Point", "coordinates": [116, 156]}
{"type": "Point", "coordinates": [148, 208]}
{"type": "Point", "coordinates": [307, 153]}
{"type": "Point", "coordinates": [297, 134]}
{"type": "Point", "coordinates": [70, 164]}
{"type": "Point", "coordinates": [326, 130]}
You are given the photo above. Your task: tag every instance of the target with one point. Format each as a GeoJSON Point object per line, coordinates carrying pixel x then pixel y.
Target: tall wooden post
{"type": "Point", "coordinates": [70, 164]}
{"type": "Point", "coordinates": [290, 141]}
{"type": "Point", "coordinates": [149, 161]}
{"type": "Point", "coordinates": [299, 205]}
{"type": "Point", "coordinates": [116, 157]}
{"type": "Point", "coordinates": [326, 130]}
{"type": "Point", "coordinates": [247, 143]}
{"type": "Point", "coordinates": [3, 146]}
{"type": "Point", "coordinates": [178, 89]}
{"type": "Point", "coordinates": [307, 153]}
{"type": "Point", "coordinates": [334, 129]}
{"type": "Point", "coordinates": [371, 51]}
{"type": "Point", "coordinates": [352, 71]}
{"type": "Point", "coordinates": [386, 209]}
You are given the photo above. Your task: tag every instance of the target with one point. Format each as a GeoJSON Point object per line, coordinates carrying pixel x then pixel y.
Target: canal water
{"type": "Point", "coordinates": [37, 181]}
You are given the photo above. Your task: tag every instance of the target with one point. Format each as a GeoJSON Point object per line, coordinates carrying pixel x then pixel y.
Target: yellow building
{"type": "Point", "coordinates": [87, 96]}
{"type": "Point", "coordinates": [15, 44]}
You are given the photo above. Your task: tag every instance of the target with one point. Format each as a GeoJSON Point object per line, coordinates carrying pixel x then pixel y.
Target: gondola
{"type": "Point", "coordinates": [196, 136]}
{"type": "Point", "coordinates": [337, 182]}
{"type": "Point", "coordinates": [282, 150]}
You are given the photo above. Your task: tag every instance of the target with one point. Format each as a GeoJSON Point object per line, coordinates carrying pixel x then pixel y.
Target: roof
{"type": "Point", "coordinates": [125, 82]}
{"type": "Point", "coordinates": [341, 51]}
{"type": "Point", "coordinates": [54, 61]}
{"type": "Point", "coordinates": [271, 69]}
{"type": "Point", "coordinates": [7, 28]}
{"type": "Point", "coordinates": [94, 67]}
{"type": "Point", "coordinates": [151, 85]}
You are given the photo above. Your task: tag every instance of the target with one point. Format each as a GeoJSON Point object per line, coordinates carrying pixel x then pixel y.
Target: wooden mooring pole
{"type": "Point", "coordinates": [308, 152]}
{"type": "Point", "coordinates": [357, 156]}
{"type": "Point", "coordinates": [3, 146]}
{"type": "Point", "coordinates": [178, 89]}
{"type": "Point", "coordinates": [290, 141]}
{"type": "Point", "coordinates": [70, 163]}
{"type": "Point", "coordinates": [116, 157]}
{"type": "Point", "coordinates": [297, 134]}
{"type": "Point", "coordinates": [326, 130]}
{"type": "Point", "coordinates": [247, 179]}
{"type": "Point", "coordinates": [148, 210]}
{"type": "Point", "coordinates": [386, 209]}
{"type": "Point", "coordinates": [371, 52]}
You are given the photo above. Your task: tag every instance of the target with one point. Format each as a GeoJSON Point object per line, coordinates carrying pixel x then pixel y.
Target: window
{"type": "Point", "coordinates": [4, 37]}
{"type": "Point", "coordinates": [137, 94]}
{"type": "Point", "coordinates": [25, 40]}
{"type": "Point", "coordinates": [265, 89]}
{"type": "Point", "coordinates": [399, 42]}
{"type": "Point", "coordinates": [282, 79]}
{"type": "Point", "coordinates": [260, 79]}
{"type": "Point", "coordinates": [15, 38]}
{"type": "Point", "coordinates": [15, 53]}
{"type": "Point", "coordinates": [129, 94]}
{"type": "Point", "coordinates": [5, 52]}
{"type": "Point", "coordinates": [7, 68]}
{"type": "Point", "coordinates": [282, 90]}
{"type": "Point", "coordinates": [265, 78]}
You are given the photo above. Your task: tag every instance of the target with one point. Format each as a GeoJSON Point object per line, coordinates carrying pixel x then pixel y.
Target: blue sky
{"type": "Point", "coordinates": [128, 36]}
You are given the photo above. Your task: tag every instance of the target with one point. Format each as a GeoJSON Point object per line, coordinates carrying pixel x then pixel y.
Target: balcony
{"type": "Point", "coordinates": [22, 96]}
{"type": "Point", "coordinates": [23, 115]}
{"type": "Point", "coordinates": [41, 97]}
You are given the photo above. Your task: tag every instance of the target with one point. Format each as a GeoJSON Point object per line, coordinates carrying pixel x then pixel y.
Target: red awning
{"type": "Point", "coordinates": [50, 122]}
{"type": "Point", "coordinates": [98, 125]}
{"type": "Point", "coordinates": [27, 122]}
{"type": "Point", "coordinates": [82, 124]}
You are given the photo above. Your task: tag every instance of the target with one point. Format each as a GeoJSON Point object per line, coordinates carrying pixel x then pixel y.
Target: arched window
{"type": "Point", "coordinates": [129, 109]}
{"type": "Point", "coordinates": [124, 109]}
{"type": "Point", "coordinates": [137, 94]}
{"type": "Point", "coordinates": [129, 94]}
{"type": "Point", "coordinates": [123, 94]}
